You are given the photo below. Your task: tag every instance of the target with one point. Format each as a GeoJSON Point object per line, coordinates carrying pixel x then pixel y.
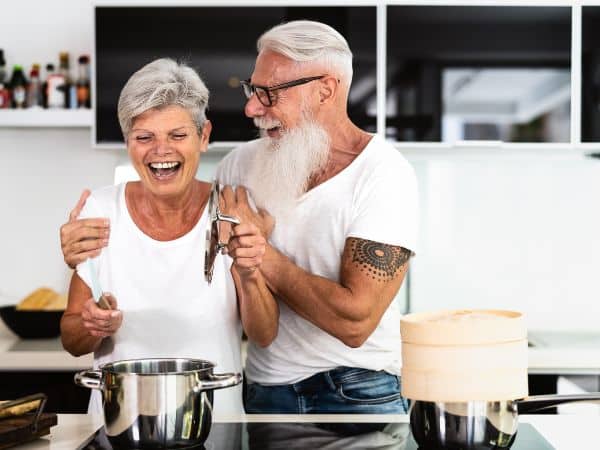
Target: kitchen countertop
{"type": "Point", "coordinates": [564, 432]}
{"type": "Point", "coordinates": [563, 353]}
{"type": "Point", "coordinates": [37, 354]}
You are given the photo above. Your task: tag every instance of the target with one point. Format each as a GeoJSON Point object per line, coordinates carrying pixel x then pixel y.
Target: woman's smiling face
{"type": "Point", "coordinates": [164, 147]}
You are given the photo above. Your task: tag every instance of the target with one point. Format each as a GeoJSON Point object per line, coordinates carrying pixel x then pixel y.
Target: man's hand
{"type": "Point", "coordinates": [236, 204]}
{"type": "Point", "coordinates": [81, 239]}
{"type": "Point", "coordinates": [101, 322]}
{"type": "Point", "coordinates": [247, 247]}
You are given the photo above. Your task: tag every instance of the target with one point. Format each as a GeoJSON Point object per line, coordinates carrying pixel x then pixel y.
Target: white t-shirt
{"type": "Point", "coordinates": [374, 198]}
{"type": "Point", "coordinates": [169, 310]}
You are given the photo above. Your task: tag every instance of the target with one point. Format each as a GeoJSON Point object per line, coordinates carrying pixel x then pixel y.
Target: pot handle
{"type": "Point", "coordinates": [219, 381]}
{"type": "Point", "coordinates": [537, 402]}
{"type": "Point", "coordinates": [91, 379]}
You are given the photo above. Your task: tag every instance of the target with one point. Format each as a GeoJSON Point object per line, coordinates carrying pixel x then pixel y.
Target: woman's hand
{"type": "Point", "coordinates": [81, 239]}
{"type": "Point", "coordinates": [247, 247]}
{"type": "Point", "coordinates": [101, 322]}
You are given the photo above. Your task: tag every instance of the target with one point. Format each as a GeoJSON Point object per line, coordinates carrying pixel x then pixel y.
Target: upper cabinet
{"type": "Point", "coordinates": [590, 74]}
{"type": "Point", "coordinates": [220, 43]}
{"type": "Point", "coordinates": [426, 73]}
{"type": "Point", "coordinates": [459, 73]}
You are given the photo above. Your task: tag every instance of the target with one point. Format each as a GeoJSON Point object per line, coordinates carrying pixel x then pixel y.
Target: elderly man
{"type": "Point", "coordinates": [345, 209]}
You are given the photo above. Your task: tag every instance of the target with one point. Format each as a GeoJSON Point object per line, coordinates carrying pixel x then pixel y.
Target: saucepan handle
{"type": "Point", "coordinates": [537, 402]}
{"type": "Point", "coordinates": [91, 379]}
{"type": "Point", "coordinates": [226, 218]}
{"type": "Point", "coordinates": [219, 381]}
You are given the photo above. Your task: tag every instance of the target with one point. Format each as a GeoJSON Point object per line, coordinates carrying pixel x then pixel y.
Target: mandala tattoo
{"type": "Point", "coordinates": [379, 261]}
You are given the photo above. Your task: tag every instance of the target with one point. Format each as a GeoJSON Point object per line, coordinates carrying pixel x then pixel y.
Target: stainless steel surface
{"type": "Point", "coordinates": [213, 239]}
{"type": "Point", "coordinates": [157, 403]}
{"type": "Point", "coordinates": [478, 425]}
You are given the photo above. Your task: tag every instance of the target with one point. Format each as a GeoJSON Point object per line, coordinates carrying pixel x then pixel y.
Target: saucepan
{"type": "Point", "coordinates": [157, 403]}
{"type": "Point", "coordinates": [478, 425]}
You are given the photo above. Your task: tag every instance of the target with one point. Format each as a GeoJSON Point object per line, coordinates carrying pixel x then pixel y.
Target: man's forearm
{"type": "Point", "coordinates": [327, 304]}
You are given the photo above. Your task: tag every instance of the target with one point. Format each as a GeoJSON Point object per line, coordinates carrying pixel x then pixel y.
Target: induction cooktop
{"type": "Point", "coordinates": [313, 436]}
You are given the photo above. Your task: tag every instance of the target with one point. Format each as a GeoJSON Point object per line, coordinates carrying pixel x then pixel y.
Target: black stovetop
{"type": "Point", "coordinates": [313, 436]}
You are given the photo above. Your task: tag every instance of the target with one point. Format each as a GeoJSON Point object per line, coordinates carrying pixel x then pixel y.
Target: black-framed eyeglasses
{"type": "Point", "coordinates": [264, 93]}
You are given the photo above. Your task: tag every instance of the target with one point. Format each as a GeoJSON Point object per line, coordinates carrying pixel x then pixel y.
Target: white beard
{"type": "Point", "coordinates": [282, 167]}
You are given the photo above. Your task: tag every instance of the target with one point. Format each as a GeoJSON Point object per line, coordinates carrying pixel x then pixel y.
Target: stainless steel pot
{"type": "Point", "coordinates": [478, 425]}
{"type": "Point", "coordinates": [157, 403]}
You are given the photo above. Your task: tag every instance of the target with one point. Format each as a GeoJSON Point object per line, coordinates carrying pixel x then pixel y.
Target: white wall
{"type": "Point", "coordinates": [37, 30]}
{"type": "Point", "coordinates": [511, 232]}
{"type": "Point", "coordinates": [44, 172]}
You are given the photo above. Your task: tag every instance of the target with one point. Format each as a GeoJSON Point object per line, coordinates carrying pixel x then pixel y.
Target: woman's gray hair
{"type": "Point", "coordinates": [162, 83]}
{"type": "Point", "coordinates": [308, 41]}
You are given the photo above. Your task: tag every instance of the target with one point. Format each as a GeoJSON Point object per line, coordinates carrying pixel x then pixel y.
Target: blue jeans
{"type": "Point", "coordinates": [343, 390]}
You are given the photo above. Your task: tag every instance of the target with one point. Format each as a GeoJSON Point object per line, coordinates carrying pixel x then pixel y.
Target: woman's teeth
{"type": "Point", "coordinates": [164, 165]}
{"type": "Point", "coordinates": [162, 169]}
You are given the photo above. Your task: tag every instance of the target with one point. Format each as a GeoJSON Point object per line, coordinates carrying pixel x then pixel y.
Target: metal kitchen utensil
{"type": "Point", "coordinates": [213, 238]}
{"type": "Point", "coordinates": [478, 425]}
{"type": "Point", "coordinates": [157, 403]}
{"type": "Point", "coordinates": [96, 289]}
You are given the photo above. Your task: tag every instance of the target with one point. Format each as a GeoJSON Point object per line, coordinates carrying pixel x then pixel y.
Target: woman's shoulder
{"type": "Point", "coordinates": [109, 196]}
{"type": "Point", "coordinates": [107, 193]}
{"type": "Point", "coordinates": [103, 201]}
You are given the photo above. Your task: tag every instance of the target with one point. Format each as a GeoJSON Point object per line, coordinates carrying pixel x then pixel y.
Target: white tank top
{"type": "Point", "coordinates": [169, 310]}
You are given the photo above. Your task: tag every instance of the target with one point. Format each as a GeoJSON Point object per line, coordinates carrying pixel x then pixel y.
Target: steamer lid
{"type": "Point", "coordinates": [463, 327]}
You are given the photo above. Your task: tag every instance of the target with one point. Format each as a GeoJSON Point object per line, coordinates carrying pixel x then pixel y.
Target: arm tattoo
{"type": "Point", "coordinates": [378, 261]}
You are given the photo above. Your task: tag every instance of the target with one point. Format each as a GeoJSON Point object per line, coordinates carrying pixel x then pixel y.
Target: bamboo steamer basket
{"type": "Point", "coordinates": [464, 355]}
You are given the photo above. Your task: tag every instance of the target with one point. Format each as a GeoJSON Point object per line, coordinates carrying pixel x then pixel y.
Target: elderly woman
{"type": "Point", "coordinates": [153, 263]}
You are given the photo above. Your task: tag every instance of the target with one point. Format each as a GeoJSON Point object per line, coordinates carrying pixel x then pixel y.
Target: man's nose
{"type": "Point", "coordinates": [253, 107]}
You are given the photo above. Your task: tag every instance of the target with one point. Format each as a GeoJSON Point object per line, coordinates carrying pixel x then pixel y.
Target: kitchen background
{"type": "Point", "coordinates": [511, 226]}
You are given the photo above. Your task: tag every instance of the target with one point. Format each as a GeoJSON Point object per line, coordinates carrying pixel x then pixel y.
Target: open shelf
{"type": "Point", "coordinates": [46, 118]}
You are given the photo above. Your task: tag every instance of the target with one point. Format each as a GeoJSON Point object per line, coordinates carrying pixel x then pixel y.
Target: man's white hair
{"type": "Point", "coordinates": [162, 83]}
{"type": "Point", "coordinates": [306, 41]}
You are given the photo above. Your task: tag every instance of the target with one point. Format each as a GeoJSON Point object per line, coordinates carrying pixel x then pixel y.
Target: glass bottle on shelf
{"type": "Point", "coordinates": [4, 97]}
{"type": "Point", "coordinates": [56, 85]}
{"type": "Point", "coordinates": [2, 67]}
{"type": "Point", "coordinates": [4, 91]}
{"type": "Point", "coordinates": [34, 90]}
{"type": "Point", "coordinates": [83, 82]}
{"type": "Point", "coordinates": [69, 86]}
{"type": "Point", "coordinates": [18, 86]}
{"type": "Point", "coordinates": [49, 72]}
